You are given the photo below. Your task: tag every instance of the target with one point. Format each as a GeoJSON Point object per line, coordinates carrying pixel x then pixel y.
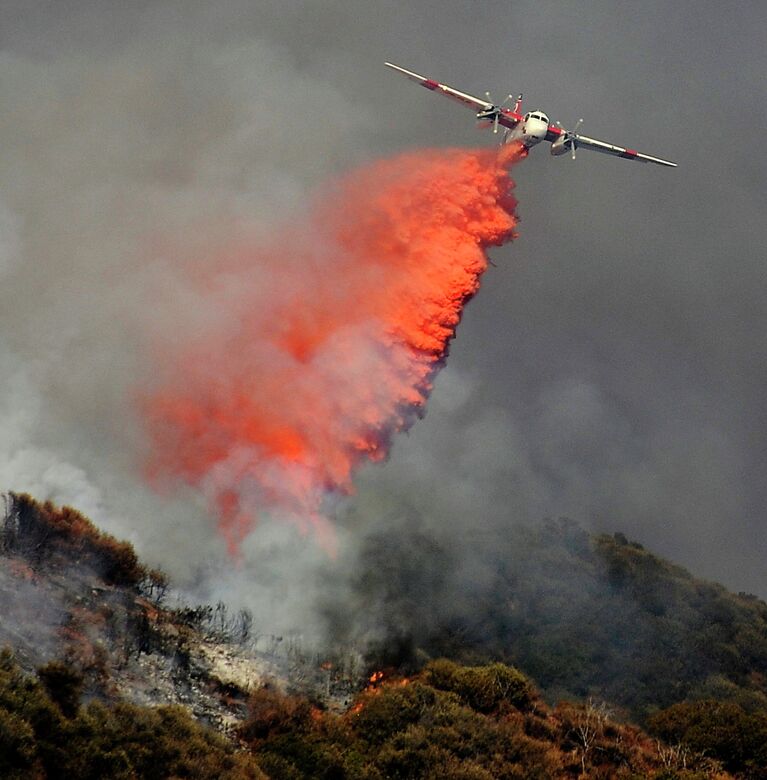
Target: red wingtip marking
{"type": "Point", "coordinates": [430, 84]}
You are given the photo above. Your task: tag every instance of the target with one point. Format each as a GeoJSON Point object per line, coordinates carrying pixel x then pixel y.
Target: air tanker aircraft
{"type": "Point", "coordinates": [530, 128]}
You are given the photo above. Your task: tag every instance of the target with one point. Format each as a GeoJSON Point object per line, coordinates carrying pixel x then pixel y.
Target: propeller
{"type": "Point", "coordinates": [571, 136]}
{"type": "Point", "coordinates": [494, 112]}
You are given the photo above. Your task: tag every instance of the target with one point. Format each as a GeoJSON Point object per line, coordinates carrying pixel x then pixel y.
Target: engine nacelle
{"type": "Point", "coordinates": [561, 145]}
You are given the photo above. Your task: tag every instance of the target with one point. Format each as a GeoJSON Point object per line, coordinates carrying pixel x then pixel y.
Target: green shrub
{"type": "Point", "coordinates": [271, 713]}
{"type": "Point", "coordinates": [389, 710]}
{"type": "Point", "coordinates": [43, 529]}
{"type": "Point", "coordinates": [723, 730]}
{"type": "Point", "coordinates": [17, 747]}
{"type": "Point", "coordinates": [484, 688]}
{"type": "Point", "coordinates": [121, 742]}
{"type": "Point", "coordinates": [64, 686]}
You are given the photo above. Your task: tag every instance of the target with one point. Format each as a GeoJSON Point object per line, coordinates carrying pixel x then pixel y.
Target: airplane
{"type": "Point", "coordinates": [531, 128]}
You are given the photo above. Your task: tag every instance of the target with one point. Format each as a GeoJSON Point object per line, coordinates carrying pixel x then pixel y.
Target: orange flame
{"type": "Point", "coordinates": [376, 683]}
{"type": "Point", "coordinates": [334, 340]}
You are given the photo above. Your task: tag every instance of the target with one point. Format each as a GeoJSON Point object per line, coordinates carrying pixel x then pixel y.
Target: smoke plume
{"type": "Point", "coordinates": [332, 334]}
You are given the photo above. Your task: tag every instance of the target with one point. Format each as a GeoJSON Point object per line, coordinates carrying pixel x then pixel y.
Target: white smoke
{"type": "Point", "coordinates": [119, 168]}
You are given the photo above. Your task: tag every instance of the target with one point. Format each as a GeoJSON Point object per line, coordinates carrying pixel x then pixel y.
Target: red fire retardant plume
{"type": "Point", "coordinates": [330, 342]}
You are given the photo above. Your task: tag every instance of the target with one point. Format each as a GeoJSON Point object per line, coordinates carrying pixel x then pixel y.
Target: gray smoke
{"type": "Point", "coordinates": [611, 369]}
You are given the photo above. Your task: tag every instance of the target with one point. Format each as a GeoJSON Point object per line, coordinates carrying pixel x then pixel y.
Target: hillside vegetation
{"type": "Point", "coordinates": [449, 721]}
{"type": "Point", "coordinates": [482, 723]}
{"type": "Point", "coordinates": [583, 616]}
{"type": "Point", "coordinates": [596, 619]}
{"type": "Point", "coordinates": [45, 534]}
{"type": "Point", "coordinates": [46, 733]}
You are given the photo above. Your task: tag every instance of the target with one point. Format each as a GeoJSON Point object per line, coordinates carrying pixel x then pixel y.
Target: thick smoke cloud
{"type": "Point", "coordinates": [611, 368]}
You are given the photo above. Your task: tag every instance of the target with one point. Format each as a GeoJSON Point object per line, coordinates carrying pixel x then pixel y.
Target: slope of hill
{"type": "Point", "coordinates": [479, 723]}
{"type": "Point", "coordinates": [46, 733]}
{"type": "Point", "coordinates": [68, 591]}
{"type": "Point", "coordinates": [451, 721]}
{"type": "Point", "coordinates": [583, 616]}
{"type": "Point", "coordinates": [94, 644]}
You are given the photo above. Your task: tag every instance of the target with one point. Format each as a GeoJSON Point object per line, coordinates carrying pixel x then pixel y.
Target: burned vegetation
{"type": "Point", "coordinates": [73, 594]}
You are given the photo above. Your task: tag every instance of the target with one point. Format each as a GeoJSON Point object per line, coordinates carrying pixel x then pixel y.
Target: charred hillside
{"type": "Point", "coordinates": [70, 592]}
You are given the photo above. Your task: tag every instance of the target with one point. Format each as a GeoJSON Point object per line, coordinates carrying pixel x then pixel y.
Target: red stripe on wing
{"type": "Point", "coordinates": [553, 133]}
{"type": "Point", "coordinates": [512, 115]}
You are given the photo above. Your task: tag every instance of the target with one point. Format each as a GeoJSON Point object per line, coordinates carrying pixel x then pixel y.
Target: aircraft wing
{"type": "Point", "coordinates": [460, 97]}
{"type": "Point", "coordinates": [582, 141]}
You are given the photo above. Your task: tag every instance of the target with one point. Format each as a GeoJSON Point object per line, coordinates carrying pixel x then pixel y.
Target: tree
{"type": "Point", "coordinates": [587, 726]}
{"type": "Point", "coordinates": [64, 685]}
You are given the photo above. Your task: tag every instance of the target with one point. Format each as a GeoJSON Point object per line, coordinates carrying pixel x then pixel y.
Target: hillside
{"type": "Point", "coordinates": [71, 592]}
{"type": "Point", "coordinates": [103, 678]}
{"type": "Point", "coordinates": [479, 723]}
{"type": "Point", "coordinates": [583, 616]}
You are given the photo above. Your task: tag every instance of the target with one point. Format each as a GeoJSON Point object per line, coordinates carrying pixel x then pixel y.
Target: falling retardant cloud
{"type": "Point", "coordinates": [327, 339]}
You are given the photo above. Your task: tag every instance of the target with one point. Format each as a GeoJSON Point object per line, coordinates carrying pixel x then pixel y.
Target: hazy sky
{"type": "Point", "coordinates": [611, 369]}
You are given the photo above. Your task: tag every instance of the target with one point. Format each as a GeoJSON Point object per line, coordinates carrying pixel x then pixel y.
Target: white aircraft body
{"type": "Point", "coordinates": [531, 128]}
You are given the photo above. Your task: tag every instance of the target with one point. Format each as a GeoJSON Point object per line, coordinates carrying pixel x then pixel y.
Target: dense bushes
{"type": "Point", "coordinates": [493, 725]}
{"type": "Point", "coordinates": [273, 713]}
{"type": "Point", "coordinates": [43, 531]}
{"type": "Point", "coordinates": [42, 736]}
{"type": "Point", "coordinates": [400, 730]}
{"type": "Point", "coordinates": [476, 723]}
{"type": "Point", "coordinates": [724, 730]}
{"type": "Point", "coordinates": [64, 685]}
{"type": "Point", "coordinates": [582, 616]}
{"type": "Point", "coordinates": [588, 616]}
{"type": "Point", "coordinates": [483, 688]}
